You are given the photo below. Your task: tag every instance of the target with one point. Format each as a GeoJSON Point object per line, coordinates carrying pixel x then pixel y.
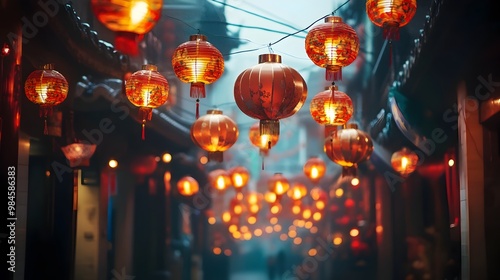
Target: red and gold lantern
{"type": "Point", "coordinates": [214, 133]}
{"type": "Point", "coordinates": [314, 169]}
{"type": "Point", "coordinates": [219, 179]}
{"type": "Point", "coordinates": [331, 108]}
{"type": "Point", "coordinates": [347, 147]}
{"type": "Point", "coordinates": [297, 192]}
{"type": "Point", "coordinates": [187, 186]}
{"type": "Point", "coordinates": [146, 89]}
{"type": "Point", "coordinates": [404, 161]}
{"type": "Point", "coordinates": [47, 88]}
{"type": "Point", "coordinates": [278, 184]}
{"type": "Point", "coordinates": [270, 91]}
{"type": "Point", "coordinates": [239, 177]}
{"type": "Point", "coordinates": [391, 15]}
{"type": "Point", "coordinates": [264, 142]}
{"type": "Point", "coordinates": [332, 45]}
{"type": "Point", "coordinates": [197, 62]}
{"type": "Point", "coordinates": [130, 19]}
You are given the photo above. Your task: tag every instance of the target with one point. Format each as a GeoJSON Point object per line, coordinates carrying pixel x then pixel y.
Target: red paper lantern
{"type": "Point", "coordinates": [332, 45]}
{"type": "Point", "coordinates": [391, 15]}
{"type": "Point", "coordinates": [219, 179]}
{"type": "Point", "coordinates": [278, 184]}
{"type": "Point", "coordinates": [314, 169]}
{"type": "Point", "coordinates": [214, 133]}
{"type": "Point", "coordinates": [264, 142]}
{"type": "Point", "coordinates": [347, 147]}
{"type": "Point", "coordinates": [239, 177]}
{"type": "Point", "coordinates": [270, 91]}
{"type": "Point", "coordinates": [130, 19]}
{"type": "Point", "coordinates": [188, 186]}
{"type": "Point", "coordinates": [197, 62]}
{"type": "Point", "coordinates": [331, 108]}
{"type": "Point", "coordinates": [146, 89]}
{"type": "Point", "coordinates": [404, 161]}
{"type": "Point", "coordinates": [297, 192]}
{"type": "Point", "coordinates": [47, 88]}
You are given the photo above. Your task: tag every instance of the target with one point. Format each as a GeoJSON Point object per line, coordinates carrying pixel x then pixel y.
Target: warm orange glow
{"type": "Point", "coordinates": [257, 232]}
{"type": "Point", "coordinates": [314, 169]}
{"type": "Point", "coordinates": [337, 239]}
{"type": "Point", "coordinates": [219, 179]}
{"type": "Point", "coordinates": [278, 184]}
{"type": "Point", "coordinates": [379, 229]}
{"type": "Point", "coordinates": [339, 192]}
{"type": "Point", "coordinates": [211, 220]}
{"type": "Point", "coordinates": [187, 186]}
{"type": "Point", "coordinates": [354, 232]}
{"type": "Point", "coordinates": [317, 193]}
{"type": "Point", "coordinates": [297, 240]}
{"type": "Point", "coordinates": [276, 209]}
{"type": "Point", "coordinates": [251, 220]}
{"type": "Point", "coordinates": [404, 161]}
{"type": "Point", "coordinates": [331, 107]}
{"type": "Point", "coordinates": [237, 209]}
{"type": "Point", "coordinates": [228, 252]}
{"type": "Point", "coordinates": [277, 228]}
{"type": "Point", "coordinates": [320, 205]}
{"type": "Point", "coordinates": [226, 217]}
{"type": "Point", "coordinates": [244, 229]}
{"type": "Point", "coordinates": [239, 177]}
{"type": "Point", "coordinates": [232, 228]}
{"type": "Point", "coordinates": [265, 141]}
{"type": "Point", "coordinates": [247, 235]}
{"type": "Point", "coordinates": [292, 234]}
{"type": "Point", "coordinates": [269, 229]}
{"type": "Point", "coordinates": [317, 216]}
{"type": "Point", "coordinates": [391, 15]}
{"type": "Point", "coordinates": [301, 223]}
{"type": "Point", "coordinates": [312, 252]}
{"type": "Point", "coordinates": [217, 250]}
{"type": "Point", "coordinates": [270, 197]}
{"type": "Point", "coordinates": [254, 208]}
{"type": "Point", "coordinates": [308, 225]}
{"type": "Point", "coordinates": [451, 162]}
{"type": "Point", "coordinates": [236, 235]}
{"type": "Point", "coordinates": [354, 181]}
{"type": "Point", "coordinates": [273, 220]}
{"type": "Point", "coordinates": [113, 163]}
{"type": "Point", "coordinates": [296, 209]}
{"type": "Point", "coordinates": [166, 157]}
{"type": "Point", "coordinates": [283, 237]}
{"type": "Point", "coordinates": [203, 159]}
{"type": "Point", "coordinates": [306, 213]}
{"type": "Point", "coordinates": [313, 230]}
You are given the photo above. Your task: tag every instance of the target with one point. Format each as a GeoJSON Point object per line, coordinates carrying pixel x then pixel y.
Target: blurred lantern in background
{"type": "Point", "coordinates": [197, 62]}
{"type": "Point", "coordinates": [214, 133]}
{"type": "Point", "coordinates": [47, 88]}
{"type": "Point", "coordinates": [187, 186]}
{"type": "Point", "coordinates": [404, 161]}
{"type": "Point", "coordinates": [219, 179]}
{"type": "Point", "coordinates": [264, 142]}
{"type": "Point", "coordinates": [270, 91]}
{"type": "Point", "coordinates": [347, 147]}
{"type": "Point", "coordinates": [146, 89]}
{"type": "Point", "coordinates": [278, 184]}
{"type": "Point", "coordinates": [331, 108]}
{"type": "Point", "coordinates": [391, 15]}
{"type": "Point", "coordinates": [314, 169]}
{"type": "Point", "coordinates": [239, 177]}
{"type": "Point", "coordinates": [129, 19]}
{"type": "Point", "coordinates": [297, 191]}
{"type": "Point", "coordinates": [332, 45]}
{"type": "Point", "coordinates": [78, 154]}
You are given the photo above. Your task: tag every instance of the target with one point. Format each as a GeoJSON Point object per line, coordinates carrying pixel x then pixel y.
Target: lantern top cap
{"type": "Point", "coordinates": [332, 87]}
{"type": "Point", "coordinates": [351, 125]}
{"type": "Point", "coordinates": [150, 67]}
{"type": "Point", "coordinates": [333, 19]}
{"type": "Point", "coordinates": [214, 111]}
{"type": "Point", "coordinates": [196, 37]}
{"type": "Point", "coordinates": [269, 57]}
{"type": "Point", "coordinates": [48, 66]}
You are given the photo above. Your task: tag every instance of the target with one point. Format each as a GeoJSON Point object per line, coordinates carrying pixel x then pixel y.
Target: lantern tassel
{"type": "Point", "coordinates": [390, 53]}
{"type": "Point", "coordinates": [262, 161]}
{"type": "Point", "coordinates": [197, 108]}
{"type": "Point", "coordinates": [143, 132]}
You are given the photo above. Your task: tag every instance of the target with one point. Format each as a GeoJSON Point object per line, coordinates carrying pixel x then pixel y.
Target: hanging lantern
{"type": "Point", "coordinates": [331, 108]}
{"type": "Point", "coordinates": [332, 45]}
{"type": "Point", "coordinates": [78, 154]}
{"type": "Point", "coordinates": [314, 169]}
{"type": "Point", "coordinates": [146, 89]}
{"type": "Point", "coordinates": [297, 192]}
{"type": "Point", "coordinates": [47, 88]}
{"type": "Point", "coordinates": [404, 161]}
{"type": "Point", "coordinates": [270, 91]}
{"type": "Point", "coordinates": [347, 147]}
{"type": "Point", "coordinates": [239, 177]}
{"type": "Point", "coordinates": [391, 15]}
{"type": "Point", "coordinates": [129, 19]}
{"type": "Point", "coordinates": [219, 179]}
{"type": "Point", "coordinates": [188, 186]}
{"type": "Point", "coordinates": [214, 133]}
{"type": "Point", "coordinates": [197, 62]}
{"type": "Point", "coordinates": [278, 184]}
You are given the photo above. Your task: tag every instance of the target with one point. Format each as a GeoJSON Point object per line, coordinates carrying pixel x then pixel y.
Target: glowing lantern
{"type": "Point", "coordinates": [236, 206]}
{"type": "Point", "coordinates": [332, 45]}
{"type": "Point", "coordinates": [347, 147]}
{"type": "Point", "coordinates": [391, 15]}
{"type": "Point", "coordinates": [130, 19]}
{"type": "Point", "coordinates": [146, 89]}
{"type": "Point", "coordinates": [270, 197]}
{"type": "Point", "coordinates": [318, 194]}
{"type": "Point", "coordinates": [239, 177]}
{"type": "Point", "coordinates": [187, 186]}
{"type": "Point", "coordinates": [404, 161]}
{"type": "Point", "coordinates": [297, 192]}
{"type": "Point", "coordinates": [331, 108]}
{"type": "Point", "coordinates": [214, 133]}
{"type": "Point", "coordinates": [278, 184]}
{"type": "Point", "coordinates": [270, 91]}
{"type": "Point", "coordinates": [47, 88]}
{"type": "Point", "coordinates": [219, 179]}
{"type": "Point", "coordinates": [314, 169]}
{"type": "Point", "coordinates": [197, 62]}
